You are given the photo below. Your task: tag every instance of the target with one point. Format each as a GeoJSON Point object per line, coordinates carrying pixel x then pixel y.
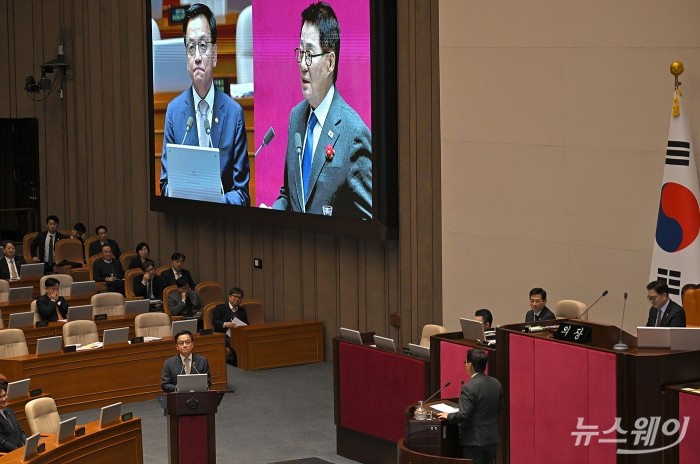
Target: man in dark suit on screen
{"type": "Point", "coordinates": [184, 363]}
{"type": "Point", "coordinates": [329, 147]}
{"type": "Point", "coordinates": [664, 312]}
{"type": "Point", "coordinates": [479, 403]}
{"type": "Point", "coordinates": [11, 434]}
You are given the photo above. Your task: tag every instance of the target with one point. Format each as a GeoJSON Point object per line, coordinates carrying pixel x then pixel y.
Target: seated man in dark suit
{"type": "Point", "coordinates": [223, 317]}
{"type": "Point", "coordinates": [11, 434]}
{"type": "Point", "coordinates": [103, 239]}
{"type": "Point", "coordinates": [480, 402]}
{"type": "Point", "coordinates": [185, 301]}
{"type": "Point", "coordinates": [538, 306]}
{"type": "Point", "coordinates": [11, 264]}
{"type": "Point", "coordinates": [185, 362]}
{"type": "Point", "coordinates": [177, 271]}
{"type": "Point", "coordinates": [50, 306]}
{"type": "Point", "coordinates": [149, 285]}
{"type": "Point", "coordinates": [109, 270]}
{"type": "Point", "coordinates": [664, 312]}
{"type": "Point", "coordinates": [485, 316]}
{"type": "Point", "coordinates": [43, 246]}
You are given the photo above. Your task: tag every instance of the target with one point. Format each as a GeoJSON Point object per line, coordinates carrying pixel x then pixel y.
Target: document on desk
{"type": "Point", "coordinates": [442, 407]}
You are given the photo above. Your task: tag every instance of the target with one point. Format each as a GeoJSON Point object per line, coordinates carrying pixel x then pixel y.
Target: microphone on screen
{"type": "Point", "coordinates": [269, 135]}
{"type": "Point", "coordinates": [190, 123]}
{"type": "Point", "coordinates": [207, 128]}
{"type": "Point", "coordinates": [297, 143]}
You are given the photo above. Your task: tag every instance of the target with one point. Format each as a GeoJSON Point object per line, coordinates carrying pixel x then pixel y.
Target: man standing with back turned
{"type": "Point", "coordinates": [217, 120]}
{"type": "Point", "coordinates": [479, 404]}
{"type": "Point", "coordinates": [329, 147]}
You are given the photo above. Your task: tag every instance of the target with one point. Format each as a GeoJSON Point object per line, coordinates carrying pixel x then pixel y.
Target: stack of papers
{"type": "Point", "coordinates": [90, 346]}
{"type": "Point", "coordinates": [442, 407]}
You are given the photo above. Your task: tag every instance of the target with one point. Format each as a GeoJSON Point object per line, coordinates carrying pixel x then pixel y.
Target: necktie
{"type": "Point", "coordinates": [308, 154]}
{"type": "Point", "coordinates": [13, 270]}
{"type": "Point", "coordinates": [203, 110]}
{"type": "Point", "coordinates": [50, 260]}
{"type": "Point", "coordinates": [149, 289]}
{"type": "Point", "coordinates": [659, 315]}
{"type": "Point", "coordinates": [7, 418]}
{"type": "Point", "coordinates": [187, 366]}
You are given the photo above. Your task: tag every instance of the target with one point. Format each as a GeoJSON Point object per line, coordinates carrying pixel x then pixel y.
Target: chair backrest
{"type": "Point", "coordinates": [166, 293]}
{"type": "Point", "coordinates": [26, 250]}
{"type": "Point", "coordinates": [428, 331]}
{"type": "Point", "coordinates": [210, 292]}
{"type": "Point", "coordinates": [70, 249]}
{"type": "Point", "coordinates": [570, 309]}
{"type": "Point", "coordinates": [12, 343]}
{"type": "Point", "coordinates": [42, 416]}
{"type": "Point", "coordinates": [109, 303]}
{"type": "Point", "coordinates": [4, 291]}
{"type": "Point", "coordinates": [208, 315]}
{"type": "Point", "coordinates": [153, 325]}
{"type": "Point", "coordinates": [32, 308]}
{"type": "Point", "coordinates": [126, 257]}
{"type": "Point", "coordinates": [162, 269]}
{"type": "Point", "coordinates": [91, 265]}
{"type": "Point", "coordinates": [255, 311]}
{"type": "Point", "coordinates": [64, 279]}
{"type": "Point", "coordinates": [86, 245]}
{"type": "Point", "coordinates": [129, 281]}
{"type": "Point", "coordinates": [83, 332]}
{"type": "Point", "coordinates": [691, 305]}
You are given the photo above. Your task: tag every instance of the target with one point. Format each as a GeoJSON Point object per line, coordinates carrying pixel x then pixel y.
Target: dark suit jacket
{"type": "Point", "coordinates": [47, 308]}
{"type": "Point", "coordinates": [228, 134]}
{"type": "Point", "coordinates": [673, 317]}
{"type": "Point", "coordinates": [223, 313]}
{"type": "Point", "coordinates": [101, 269]}
{"type": "Point", "coordinates": [5, 268]}
{"type": "Point", "coordinates": [11, 436]}
{"type": "Point", "coordinates": [343, 182]}
{"type": "Point", "coordinates": [545, 315]}
{"type": "Point", "coordinates": [173, 367]}
{"type": "Point", "coordinates": [169, 277]}
{"type": "Point", "coordinates": [38, 246]}
{"type": "Point", "coordinates": [479, 403]}
{"type": "Point", "coordinates": [96, 248]}
{"type": "Point", "coordinates": [179, 307]}
{"type": "Point", "coordinates": [140, 289]}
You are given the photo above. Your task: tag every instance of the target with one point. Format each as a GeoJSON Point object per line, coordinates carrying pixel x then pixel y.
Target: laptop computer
{"type": "Point", "coordinates": [18, 389]}
{"type": "Point", "coordinates": [66, 429]}
{"type": "Point", "coordinates": [19, 320]}
{"type": "Point", "coordinates": [351, 335]}
{"type": "Point", "coordinates": [80, 313]}
{"type": "Point", "coordinates": [49, 345]}
{"type": "Point", "coordinates": [21, 294]}
{"type": "Point", "coordinates": [419, 351]}
{"type": "Point", "coordinates": [115, 336]}
{"type": "Point", "coordinates": [110, 414]}
{"type": "Point", "coordinates": [194, 173]}
{"type": "Point", "coordinates": [189, 324]}
{"type": "Point", "coordinates": [31, 270]}
{"type": "Point", "coordinates": [472, 330]}
{"type": "Point", "coordinates": [685, 338]}
{"type": "Point", "coordinates": [86, 288]}
{"type": "Point", "coordinates": [30, 446]}
{"type": "Point", "coordinates": [385, 343]}
{"type": "Point", "coordinates": [653, 337]}
{"type": "Point", "coordinates": [137, 306]}
{"type": "Point", "coordinates": [192, 383]}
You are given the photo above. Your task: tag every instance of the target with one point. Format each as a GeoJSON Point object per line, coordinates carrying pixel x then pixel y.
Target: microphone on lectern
{"type": "Point", "coordinates": [619, 346]}
{"type": "Point", "coordinates": [594, 303]}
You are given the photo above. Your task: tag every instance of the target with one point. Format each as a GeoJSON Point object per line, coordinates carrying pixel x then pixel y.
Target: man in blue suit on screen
{"type": "Point", "coordinates": [203, 105]}
{"type": "Point", "coordinates": [328, 166]}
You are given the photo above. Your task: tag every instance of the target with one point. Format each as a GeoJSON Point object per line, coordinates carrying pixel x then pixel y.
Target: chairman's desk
{"type": "Point", "coordinates": [94, 378]}
{"type": "Point", "coordinates": [115, 444]}
{"type": "Point", "coordinates": [549, 384]}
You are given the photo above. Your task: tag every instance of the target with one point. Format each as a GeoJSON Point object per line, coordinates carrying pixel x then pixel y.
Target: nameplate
{"type": "Point", "coordinates": [574, 333]}
{"type": "Point", "coordinates": [70, 349]}
{"type": "Point", "coordinates": [100, 317]}
{"type": "Point", "coordinates": [35, 392]}
{"type": "Point", "coordinates": [41, 324]}
{"type": "Point", "coordinates": [137, 340]}
{"type": "Point", "coordinates": [80, 431]}
{"type": "Point", "coordinates": [127, 416]}
{"type": "Point", "coordinates": [206, 332]}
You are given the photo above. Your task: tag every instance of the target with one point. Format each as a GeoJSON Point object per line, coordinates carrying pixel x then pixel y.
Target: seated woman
{"type": "Point", "coordinates": [142, 252]}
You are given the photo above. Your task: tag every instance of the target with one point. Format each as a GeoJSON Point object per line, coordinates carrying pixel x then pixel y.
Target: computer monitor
{"type": "Point", "coordinates": [85, 288]}
{"type": "Point", "coordinates": [21, 294]}
{"type": "Point", "coordinates": [653, 337]}
{"type": "Point", "coordinates": [30, 446]}
{"type": "Point", "coordinates": [80, 313]}
{"type": "Point", "coordinates": [115, 336]}
{"type": "Point", "coordinates": [137, 306]}
{"type": "Point", "coordinates": [66, 429]}
{"type": "Point", "coordinates": [19, 320]}
{"type": "Point", "coordinates": [189, 324]}
{"type": "Point", "coordinates": [351, 335]}
{"type": "Point", "coordinates": [31, 270]}
{"type": "Point", "coordinates": [192, 383]}
{"type": "Point", "coordinates": [385, 343]}
{"type": "Point", "coordinates": [49, 345]}
{"type": "Point", "coordinates": [110, 414]}
{"type": "Point", "coordinates": [18, 389]}
{"type": "Point", "coordinates": [472, 330]}
{"type": "Point", "coordinates": [419, 351]}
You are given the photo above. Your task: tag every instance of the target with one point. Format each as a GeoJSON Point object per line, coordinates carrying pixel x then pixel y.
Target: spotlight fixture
{"type": "Point", "coordinates": [30, 85]}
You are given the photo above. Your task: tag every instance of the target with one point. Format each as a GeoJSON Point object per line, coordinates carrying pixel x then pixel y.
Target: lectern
{"type": "Point", "coordinates": [191, 425]}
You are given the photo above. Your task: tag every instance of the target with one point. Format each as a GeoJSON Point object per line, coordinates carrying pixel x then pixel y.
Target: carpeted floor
{"type": "Point", "coordinates": [279, 416]}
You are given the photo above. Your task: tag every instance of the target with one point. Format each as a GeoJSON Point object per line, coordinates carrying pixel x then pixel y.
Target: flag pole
{"type": "Point", "coordinates": [676, 70]}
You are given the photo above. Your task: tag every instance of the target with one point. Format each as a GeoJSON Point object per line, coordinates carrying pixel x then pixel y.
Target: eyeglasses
{"type": "Point", "coordinates": [202, 46]}
{"type": "Point", "coordinates": [184, 342]}
{"type": "Point", "coordinates": [652, 298]}
{"type": "Point", "coordinates": [299, 53]}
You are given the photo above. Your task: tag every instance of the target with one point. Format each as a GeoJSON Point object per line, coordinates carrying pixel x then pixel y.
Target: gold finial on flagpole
{"type": "Point", "coordinates": [676, 70]}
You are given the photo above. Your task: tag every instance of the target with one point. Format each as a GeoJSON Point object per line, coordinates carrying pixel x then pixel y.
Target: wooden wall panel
{"type": "Point", "coordinates": [94, 154]}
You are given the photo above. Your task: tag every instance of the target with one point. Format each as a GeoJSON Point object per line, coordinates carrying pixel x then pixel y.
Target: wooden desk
{"type": "Point", "coordinates": [116, 444]}
{"type": "Point", "coordinates": [95, 378]}
{"type": "Point", "coordinates": [278, 344]}
{"type": "Point", "coordinates": [7, 308]}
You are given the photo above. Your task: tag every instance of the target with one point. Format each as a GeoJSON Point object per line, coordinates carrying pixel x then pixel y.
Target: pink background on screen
{"type": "Point", "coordinates": [276, 28]}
